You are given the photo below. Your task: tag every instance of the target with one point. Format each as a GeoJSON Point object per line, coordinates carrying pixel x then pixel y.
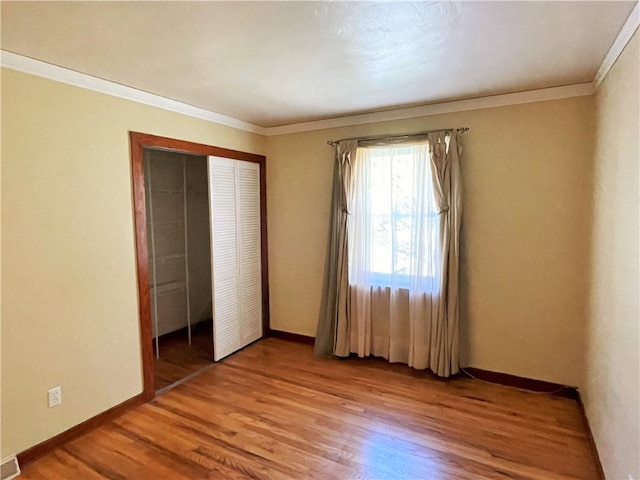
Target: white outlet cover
{"type": "Point", "coordinates": [9, 468]}
{"type": "Point", "coordinates": [55, 396]}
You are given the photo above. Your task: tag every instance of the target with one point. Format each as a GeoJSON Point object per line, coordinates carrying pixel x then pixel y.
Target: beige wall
{"type": "Point", "coordinates": [70, 308]}
{"type": "Point", "coordinates": [612, 394]}
{"type": "Point", "coordinates": [527, 188]}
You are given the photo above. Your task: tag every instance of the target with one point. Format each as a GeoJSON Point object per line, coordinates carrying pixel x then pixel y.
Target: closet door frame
{"type": "Point", "coordinates": [138, 142]}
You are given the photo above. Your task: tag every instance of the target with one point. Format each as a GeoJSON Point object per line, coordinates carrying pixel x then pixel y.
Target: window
{"type": "Point", "coordinates": [394, 222]}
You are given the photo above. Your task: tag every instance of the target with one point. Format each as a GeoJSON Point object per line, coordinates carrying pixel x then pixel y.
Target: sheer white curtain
{"type": "Point", "coordinates": [394, 219]}
{"type": "Point", "coordinates": [398, 256]}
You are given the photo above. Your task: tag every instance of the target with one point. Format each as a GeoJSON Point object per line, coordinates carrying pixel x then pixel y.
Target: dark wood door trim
{"type": "Point", "coordinates": [138, 142]}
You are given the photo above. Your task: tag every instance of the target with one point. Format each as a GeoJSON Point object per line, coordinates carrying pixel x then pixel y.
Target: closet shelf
{"type": "Point", "coordinates": [167, 190]}
{"type": "Point", "coordinates": [168, 287]}
{"type": "Point", "coordinates": [167, 258]}
{"type": "Point", "coordinates": [167, 222]}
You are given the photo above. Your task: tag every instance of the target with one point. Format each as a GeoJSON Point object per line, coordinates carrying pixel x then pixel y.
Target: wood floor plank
{"type": "Point", "coordinates": [275, 411]}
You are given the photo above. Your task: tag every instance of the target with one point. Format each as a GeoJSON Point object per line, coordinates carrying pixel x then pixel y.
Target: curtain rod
{"type": "Point", "coordinates": [394, 137]}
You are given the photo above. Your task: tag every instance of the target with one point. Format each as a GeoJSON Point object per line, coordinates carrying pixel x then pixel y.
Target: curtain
{"type": "Point", "coordinates": [333, 322]}
{"type": "Point", "coordinates": [393, 252]}
{"type": "Point", "coordinates": [384, 295]}
{"type": "Point", "coordinates": [447, 181]}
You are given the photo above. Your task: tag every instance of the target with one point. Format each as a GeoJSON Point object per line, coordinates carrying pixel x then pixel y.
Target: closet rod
{"type": "Point", "coordinates": [398, 137]}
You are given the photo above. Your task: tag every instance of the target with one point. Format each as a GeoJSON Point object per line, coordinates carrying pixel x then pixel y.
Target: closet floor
{"type": "Point", "coordinates": [178, 359]}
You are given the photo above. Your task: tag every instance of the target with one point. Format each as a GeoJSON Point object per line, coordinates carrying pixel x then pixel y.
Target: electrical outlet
{"type": "Point", "coordinates": [55, 396]}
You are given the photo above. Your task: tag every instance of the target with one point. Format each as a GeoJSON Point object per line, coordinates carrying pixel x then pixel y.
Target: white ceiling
{"type": "Point", "coordinates": [277, 63]}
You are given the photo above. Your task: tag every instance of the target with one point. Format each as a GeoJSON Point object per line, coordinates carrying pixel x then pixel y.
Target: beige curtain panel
{"type": "Point", "coordinates": [333, 313]}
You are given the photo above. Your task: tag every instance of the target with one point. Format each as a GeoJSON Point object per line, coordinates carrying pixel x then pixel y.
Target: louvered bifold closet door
{"type": "Point", "coordinates": [249, 251]}
{"type": "Point", "coordinates": [234, 187]}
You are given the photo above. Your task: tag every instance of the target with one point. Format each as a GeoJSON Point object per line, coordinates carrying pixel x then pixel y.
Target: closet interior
{"type": "Point", "coordinates": [179, 250]}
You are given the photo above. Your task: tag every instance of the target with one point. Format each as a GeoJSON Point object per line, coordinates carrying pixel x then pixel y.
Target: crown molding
{"type": "Point", "coordinates": [529, 96]}
{"type": "Point", "coordinates": [53, 72]}
{"type": "Point", "coordinates": [38, 68]}
{"type": "Point", "coordinates": [626, 32]}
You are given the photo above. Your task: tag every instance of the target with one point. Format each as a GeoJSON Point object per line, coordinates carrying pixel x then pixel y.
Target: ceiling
{"type": "Point", "coordinates": [278, 63]}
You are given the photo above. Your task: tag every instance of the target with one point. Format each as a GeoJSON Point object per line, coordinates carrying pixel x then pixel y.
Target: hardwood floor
{"type": "Point", "coordinates": [178, 359]}
{"type": "Point", "coordinates": [274, 411]}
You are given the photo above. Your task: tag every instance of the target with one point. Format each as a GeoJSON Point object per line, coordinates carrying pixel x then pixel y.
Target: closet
{"type": "Point", "coordinates": [203, 223]}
